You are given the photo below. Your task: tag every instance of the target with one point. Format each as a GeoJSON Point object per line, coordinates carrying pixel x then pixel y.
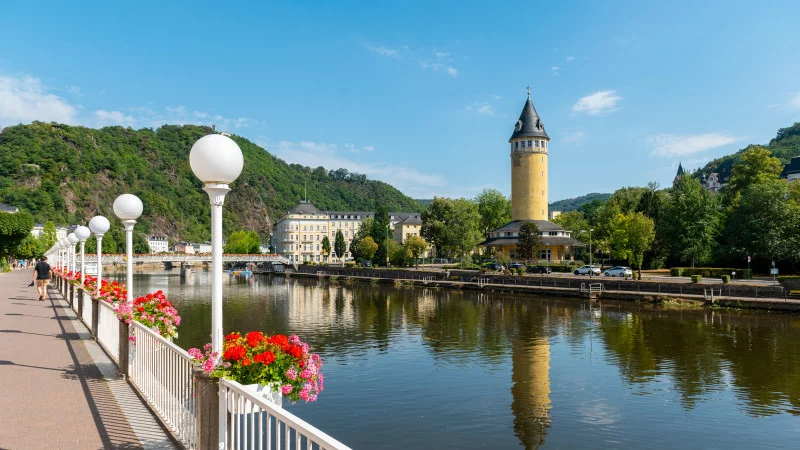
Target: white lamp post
{"type": "Point", "coordinates": [63, 243]}
{"type": "Point", "coordinates": [99, 225]}
{"type": "Point", "coordinates": [72, 241]}
{"type": "Point", "coordinates": [128, 208]}
{"type": "Point", "coordinates": [217, 161]}
{"type": "Point", "coordinates": [82, 233]}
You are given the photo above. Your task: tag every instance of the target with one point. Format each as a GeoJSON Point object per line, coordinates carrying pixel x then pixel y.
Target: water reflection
{"type": "Point", "coordinates": [471, 370]}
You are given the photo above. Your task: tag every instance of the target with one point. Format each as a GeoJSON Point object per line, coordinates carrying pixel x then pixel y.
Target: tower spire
{"type": "Point", "coordinates": [529, 90]}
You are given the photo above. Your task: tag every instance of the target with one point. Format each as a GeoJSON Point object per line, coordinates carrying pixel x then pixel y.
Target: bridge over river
{"type": "Point", "coordinates": [185, 258]}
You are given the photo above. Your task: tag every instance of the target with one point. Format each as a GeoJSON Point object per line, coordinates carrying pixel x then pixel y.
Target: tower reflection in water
{"type": "Point", "coordinates": [530, 378]}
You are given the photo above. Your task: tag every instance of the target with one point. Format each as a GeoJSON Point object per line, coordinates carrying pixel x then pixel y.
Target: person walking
{"type": "Point", "coordinates": [41, 275]}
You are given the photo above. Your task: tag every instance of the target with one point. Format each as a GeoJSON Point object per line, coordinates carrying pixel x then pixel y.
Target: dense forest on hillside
{"type": "Point", "coordinates": [785, 146]}
{"type": "Point", "coordinates": [67, 174]}
{"type": "Point", "coordinates": [572, 204]}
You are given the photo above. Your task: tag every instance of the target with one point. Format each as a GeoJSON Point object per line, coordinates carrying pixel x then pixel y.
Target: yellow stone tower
{"type": "Point", "coordinates": [529, 146]}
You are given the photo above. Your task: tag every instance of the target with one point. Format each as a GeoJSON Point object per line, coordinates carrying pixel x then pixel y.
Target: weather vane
{"type": "Point", "coordinates": [529, 89]}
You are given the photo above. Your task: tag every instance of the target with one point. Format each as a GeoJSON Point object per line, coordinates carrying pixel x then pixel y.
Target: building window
{"type": "Point", "coordinates": [545, 254]}
{"type": "Point", "coordinates": [530, 144]}
{"type": "Point", "coordinates": [554, 233]}
{"type": "Point", "coordinates": [516, 145]}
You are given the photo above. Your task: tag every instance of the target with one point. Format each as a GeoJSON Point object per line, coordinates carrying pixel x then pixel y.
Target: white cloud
{"type": "Point", "coordinates": [25, 99]}
{"type": "Point", "coordinates": [410, 181]}
{"type": "Point", "coordinates": [672, 145]}
{"type": "Point", "coordinates": [555, 69]}
{"type": "Point", "coordinates": [496, 97]}
{"type": "Point", "coordinates": [386, 51]}
{"type": "Point", "coordinates": [74, 90]}
{"type": "Point", "coordinates": [355, 149]}
{"type": "Point", "coordinates": [484, 109]}
{"type": "Point", "coordinates": [574, 137]}
{"type": "Point", "coordinates": [440, 62]}
{"type": "Point", "coordinates": [569, 58]}
{"type": "Point", "coordinates": [597, 103]}
{"type": "Point", "coordinates": [105, 118]}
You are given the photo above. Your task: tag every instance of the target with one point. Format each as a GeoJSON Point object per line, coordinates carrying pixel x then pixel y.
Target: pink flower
{"type": "Point", "coordinates": [306, 373]}
{"type": "Point", "coordinates": [304, 346]}
{"type": "Point", "coordinates": [294, 339]}
{"type": "Point", "coordinates": [195, 353]}
{"type": "Point", "coordinates": [207, 347]}
{"type": "Point", "coordinates": [291, 374]}
{"type": "Point", "coordinates": [286, 389]}
{"type": "Point", "coordinates": [209, 364]}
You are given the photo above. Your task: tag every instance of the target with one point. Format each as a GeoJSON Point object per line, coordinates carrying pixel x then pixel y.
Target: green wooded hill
{"type": "Point", "coordinates": [67, 174]}
{"type": "Point", "coordinates": [572, 204]}
{"type": "Point", "coordinates": [785, 146]}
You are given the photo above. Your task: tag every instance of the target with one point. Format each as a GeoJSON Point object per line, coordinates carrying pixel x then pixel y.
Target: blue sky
{"type": "Point", "coordinates": [423, 95]}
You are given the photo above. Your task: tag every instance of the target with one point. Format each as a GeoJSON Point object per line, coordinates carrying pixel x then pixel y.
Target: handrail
{"type": "Point", "coordinates": [108, 330]}
{"type": "Point", "coordinates": [232, 393]}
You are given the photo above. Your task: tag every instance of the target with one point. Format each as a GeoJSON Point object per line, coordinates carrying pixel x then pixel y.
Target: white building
{"type": "Point", "coordinates": [792, 170]}
{"type": "Point", "coordinates": [184, 247]}
{"type": "Point", "coordinates": [205, 247]}
{"type": "Point", "coordinates": [61, 232]}
{"type": "Point", "coordinates": [157, 244]}
{"type": "Point", "coordinates": [298, 234]}
{"type": "Point", "coordinates": [8, 209]}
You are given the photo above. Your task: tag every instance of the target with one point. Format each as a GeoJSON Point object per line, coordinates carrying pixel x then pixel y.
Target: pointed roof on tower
{"type": "Point", "coordinates": [529, 123]}
{"type": "Point", "coordinates": [680, 170]}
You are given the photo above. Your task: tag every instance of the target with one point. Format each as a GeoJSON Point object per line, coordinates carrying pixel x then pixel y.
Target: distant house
{"type": "Point", "coordinates": [184, 247]}
{"type": "Point", "coordinates": [712, 182]}
{"type": "Point", "coordinates": [791, 171]}
{"type": "Point", "coordinates": [8, 209]}
{"type": "Point", "coordinates": [205, 247]}
{"type": "Point", "coordinates": [157, 244]}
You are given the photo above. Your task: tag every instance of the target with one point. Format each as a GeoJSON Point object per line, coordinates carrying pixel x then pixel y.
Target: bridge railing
{"type": "Point", "coordinates": [162, 373]}
{"type": "Point", "coordinates": [252, 423]}
{"type": "Point", "coordinates": [108, 329]}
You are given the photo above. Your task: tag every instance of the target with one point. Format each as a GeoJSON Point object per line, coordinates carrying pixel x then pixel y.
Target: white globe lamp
{"type": "Point", "coordinates": [83, 233]}
{"type": "Point", "coordinates": [217, 161]}
{"type": "Point", "coordinates": [128, 208]}
{"type": "Point", "coordinates": [99, 226]}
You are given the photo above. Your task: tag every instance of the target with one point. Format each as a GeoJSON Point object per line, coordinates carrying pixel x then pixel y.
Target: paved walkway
{"type": "Point", "coordinates": [58, 389]}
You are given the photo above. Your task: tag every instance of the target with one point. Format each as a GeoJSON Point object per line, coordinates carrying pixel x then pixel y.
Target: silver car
{"type": "Point", "coordinates": [585, 270]}
{"type": "Point", "coordinates": [619, 271]}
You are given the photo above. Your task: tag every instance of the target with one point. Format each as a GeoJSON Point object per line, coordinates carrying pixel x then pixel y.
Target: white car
{"type": "Point", "coordinates": [619, 271]}
{"type": "Point", "coordinates": [585, 270]}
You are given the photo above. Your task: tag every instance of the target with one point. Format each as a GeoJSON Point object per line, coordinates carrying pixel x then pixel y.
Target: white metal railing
{"type": "Point", "coordinates": [108, 329]}
{"type": "Point", "coordinates": [247, 422]}
{"type": "Point", "coordinates": [87, 309]}
{"type": "Point", "coordinates": [484, 282]}
{"type": "Point", "coordinates": [592, 288]}
{"type": "Point", "coordinates": [162, 372]}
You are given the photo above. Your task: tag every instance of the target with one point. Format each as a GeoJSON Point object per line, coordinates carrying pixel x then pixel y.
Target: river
{"type": "Point", "coordinates": [425, 368]}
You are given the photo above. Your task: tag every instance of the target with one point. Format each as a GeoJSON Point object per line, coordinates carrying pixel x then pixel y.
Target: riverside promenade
{"type": "Point", "coordinates": [58, 388]}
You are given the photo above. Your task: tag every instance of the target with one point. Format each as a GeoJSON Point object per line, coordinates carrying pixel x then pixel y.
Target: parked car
{"type": "Point", "coordinates": [586, 270]}
{"type": "Point", "coordinates": [619, 271]}
{"type": "Point", "coordinates": [515, 266]}
{"type": "Point", "coordinates": [539, 269]}
{"type": "Point", "coordinates": [367, 263]}
{"type": "Point", "coordinates": [494, 266]}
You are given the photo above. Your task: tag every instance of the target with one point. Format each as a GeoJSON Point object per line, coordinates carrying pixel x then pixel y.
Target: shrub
{"type": "Point", "coordinates": [350, 264]}
{"type": "Point", "coordinates": [520, 270]}
{"type": "Point", "coordinates": [635, 275]}
{"type": "Point", "coordinates": [711, 272]}
{"type": "Point", "coordinates": [790, 282]}
{"type": "Point", "coordinates": [726, 279]}
{"type": "Point", "coordinates": [696, 278]}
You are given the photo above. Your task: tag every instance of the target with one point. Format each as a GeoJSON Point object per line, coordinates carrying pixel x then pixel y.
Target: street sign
{"type": "Point", "coordinates": [773, 271]}
{"type": "Point", "coordinates": [748, 258]}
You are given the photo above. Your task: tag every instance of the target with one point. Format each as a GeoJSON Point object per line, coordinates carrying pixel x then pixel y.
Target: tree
{"type": "Point", "coordinates": [452, 226]}
{"type": "Point", "coordinates": [606, 225]}
{"type": "Point", "coordinates": [243, 243]}
{"type": "Point", "coordinates": [529, 238]}
{"type": "Point", "coordinates": [339, 245]}
{"type": "Point", "coordinates": [399, 255]}
{"type": "Point", "coordinates": [363, 231]}
{"type": "Point", "coordinates": [765, 225]}
{"type": "Point", "coordinates": [140, 245]}
{"type": "Point", "coordinates": [415, 246]}
{"type": "Point", "coordinates": [48, 236]}
{"type": "Point", "coordinates": [366, 248]}
{"type": "Point", "coordinates": [326, 246]}
{"type": "Point", "coordinates": [575, 222]}
{"type": "Point", "coordinates": [380, 234]}
{"type": "Point", "coordinates": [757, 166]}
{"type": "Point", "coordinates": [494, 208]}
{"type": "Point", "coordinates": [29, 248]}
{"type": "Point", "coordinates": [692, 221]}
{"type": "Point", "coordinates": [502, 258]}
{"type": "Point", "coordinates": [14, 228]}
{"type": "Point", "coordinates": [640, 232]}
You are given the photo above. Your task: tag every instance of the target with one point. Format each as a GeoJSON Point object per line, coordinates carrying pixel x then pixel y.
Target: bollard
{"type": "Point", "coordinates": [124, 345]}
{"type": "Point", "coordinates": [95, 315]}
{"type": "Point", "coordinates": [207, 411]}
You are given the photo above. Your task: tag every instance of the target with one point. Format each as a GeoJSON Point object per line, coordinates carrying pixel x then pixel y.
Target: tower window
{"type": "Point", "coordinates": [530, 144]}
{"type": "Point", "coordinates": [537, 142]}
{"type": "Point", "coordinates": [516, 145]}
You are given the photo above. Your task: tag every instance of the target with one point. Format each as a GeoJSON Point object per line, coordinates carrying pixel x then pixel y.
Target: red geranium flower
{"type": "Point", "coordinates": [232, 337]}
{"type": "Point", "coordinates": [279, 339]}
{"type": "Point", "coordinates": [235, 353]}
{"type": "Point", "coordinates": [246, 362]}
{"type": "Point", "coordinates": [265, 358]}
{"type": "Point", "coordinates": [254, 338]}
